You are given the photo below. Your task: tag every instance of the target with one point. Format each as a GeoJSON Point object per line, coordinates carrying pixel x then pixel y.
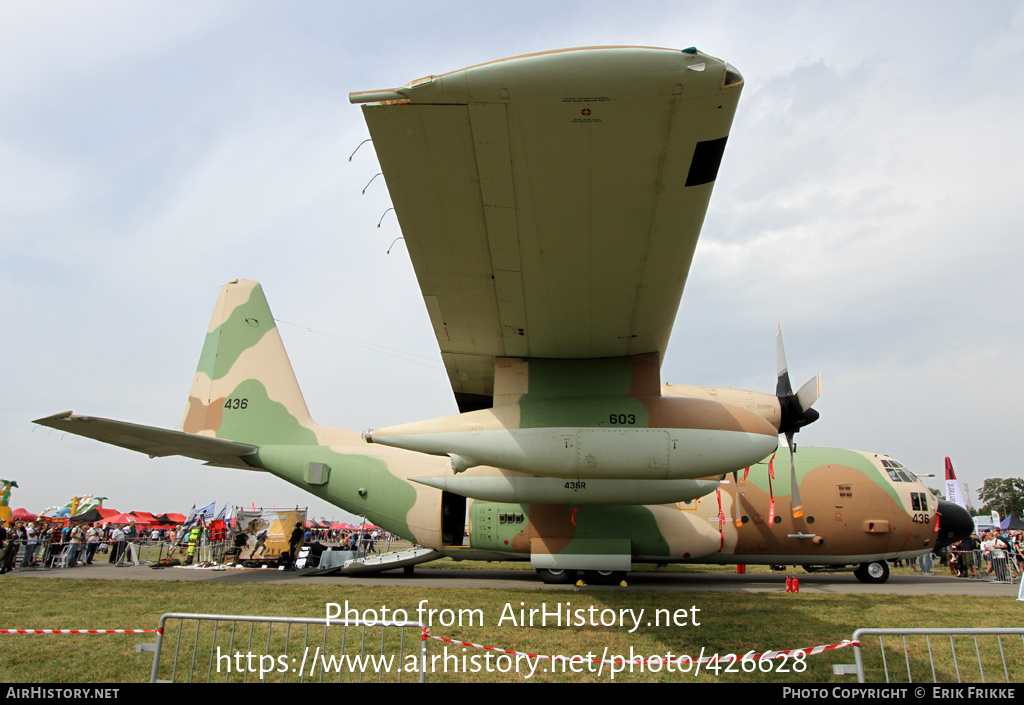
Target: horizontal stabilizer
{"type": "Point", "coordinates": [154, 442]}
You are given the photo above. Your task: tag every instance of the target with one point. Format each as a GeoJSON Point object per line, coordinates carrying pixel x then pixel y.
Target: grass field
{"type": "Point", "coordinates": [728, 623]}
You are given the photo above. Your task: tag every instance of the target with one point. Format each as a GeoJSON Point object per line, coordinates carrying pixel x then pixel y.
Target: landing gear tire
{"type": "Point", "coordinates": [877, 572]}
{"type": "Point", "coordinates": [604, 577]}
{"type": "Point", "coordinates": [557, 576]}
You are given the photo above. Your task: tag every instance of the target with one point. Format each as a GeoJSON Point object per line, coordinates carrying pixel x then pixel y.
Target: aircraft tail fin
{"type": "Point", "coordinates": [244, 388]}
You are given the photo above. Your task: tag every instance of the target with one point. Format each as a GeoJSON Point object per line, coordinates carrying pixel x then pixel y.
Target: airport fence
{"type": "Point", "coordinates": [937, 655]}
{"type": "Point", "coordinates": [211, 648]}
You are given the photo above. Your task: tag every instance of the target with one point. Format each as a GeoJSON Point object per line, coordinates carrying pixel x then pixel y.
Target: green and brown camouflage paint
{"type": "Point", "coordinates": [244, 390]}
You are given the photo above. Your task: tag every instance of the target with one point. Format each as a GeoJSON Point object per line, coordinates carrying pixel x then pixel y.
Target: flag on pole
{"type": "Point", "coordinates": [953, 492]}
{"type": "Point", "coordinates": [191, 516]}
{"type": "Point", "coordinates": [206, 513]}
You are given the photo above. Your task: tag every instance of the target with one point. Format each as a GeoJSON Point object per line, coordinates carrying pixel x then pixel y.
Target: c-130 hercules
{"type": "Point", "coordinates": [551, 205]}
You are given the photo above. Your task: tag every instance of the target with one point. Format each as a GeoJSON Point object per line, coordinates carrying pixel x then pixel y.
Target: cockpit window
{"type": "Point", "coordinates": [919, 501]}
{"type": "Point", "coordinates": [897, 471]}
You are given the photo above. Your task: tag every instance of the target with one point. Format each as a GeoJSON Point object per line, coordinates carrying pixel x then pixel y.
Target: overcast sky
{"type": "Point", "coordinates": [149, 152]}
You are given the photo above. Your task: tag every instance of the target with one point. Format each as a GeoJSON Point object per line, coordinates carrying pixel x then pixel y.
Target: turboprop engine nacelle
{"type": "Point", "coordinates": [654, 438]}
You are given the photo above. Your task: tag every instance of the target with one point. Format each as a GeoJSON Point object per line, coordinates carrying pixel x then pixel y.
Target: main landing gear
{"type": "Point", "coordinates": [557, 576]}
{"type": "Point", "coordinates": [553, 576]}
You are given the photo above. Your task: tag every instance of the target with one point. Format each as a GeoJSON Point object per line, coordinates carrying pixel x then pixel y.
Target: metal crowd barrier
{"type": "Point", "coordinates": [45, 554]}
{"type": "Point", "coordinates": [241, 649]}
{"type": "Point", "coordinates": [1004, 570]}
{"type": "Point", "coordinates": [964, 659]}
{"type": "Point", "coordinates": [49, 555]}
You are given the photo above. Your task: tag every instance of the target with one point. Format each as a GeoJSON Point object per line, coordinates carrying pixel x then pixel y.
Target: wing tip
{"type": "Point", "coordinates": [47, 420]}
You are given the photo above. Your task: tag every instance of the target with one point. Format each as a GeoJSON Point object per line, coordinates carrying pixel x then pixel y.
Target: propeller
{"type": "Point", "coordinates": [796, 412]}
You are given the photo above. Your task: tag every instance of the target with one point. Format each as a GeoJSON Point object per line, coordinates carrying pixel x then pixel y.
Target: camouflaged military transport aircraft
{"type": "Point", "coordinates": [551, 205]}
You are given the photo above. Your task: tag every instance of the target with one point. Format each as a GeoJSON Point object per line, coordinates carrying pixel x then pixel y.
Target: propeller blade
{"type": "Point", "coordinates": [783, 388]}
{"type": "Point", "coordinates": [809, 393]}
{"type": "Point", "coordinates": [795, 408]}
{"type": "Point", "coordinates": [796, 412]}
{"type": "Point", "coordinates": [798, 506]}
{"type": "Point", "coordinates": [736, 512]}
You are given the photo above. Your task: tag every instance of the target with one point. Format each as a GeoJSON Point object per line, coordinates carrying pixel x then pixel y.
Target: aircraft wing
{"type": "Point", "coordinates": [154, 442]}
{"type": "Point", "coordinates": [551, 203]}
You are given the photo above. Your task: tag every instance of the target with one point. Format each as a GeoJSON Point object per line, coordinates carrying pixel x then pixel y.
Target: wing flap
{"type": "Point", "coordinates": [154, 442]}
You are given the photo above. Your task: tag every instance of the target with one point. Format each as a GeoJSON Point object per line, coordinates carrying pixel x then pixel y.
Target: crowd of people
{"type": "Point", "coordinates": [34, 544]}
{"type": "Point", "coordinates": [359, 536]}
{"type": "Point", "coordinates": [61, 544]}
{"type": "Point", "coordinates": [991, 555]}
{"type": "Point", "coordinates": [999, 553]}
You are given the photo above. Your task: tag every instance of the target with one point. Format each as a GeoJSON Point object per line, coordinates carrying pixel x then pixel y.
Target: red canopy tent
{"type": "Point", "coordinates": [124, 519]}
{"type": "Point", "coordinates": [95, 514]}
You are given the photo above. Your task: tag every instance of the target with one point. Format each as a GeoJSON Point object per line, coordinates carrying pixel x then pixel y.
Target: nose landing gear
{"type": "Point", "coordinates": [877, 572]}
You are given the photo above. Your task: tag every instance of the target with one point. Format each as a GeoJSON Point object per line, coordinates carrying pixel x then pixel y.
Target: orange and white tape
{"type": "Point", "coordinates": [749, 656]}
{"type": "Point", "coordinates": [81, 631]}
